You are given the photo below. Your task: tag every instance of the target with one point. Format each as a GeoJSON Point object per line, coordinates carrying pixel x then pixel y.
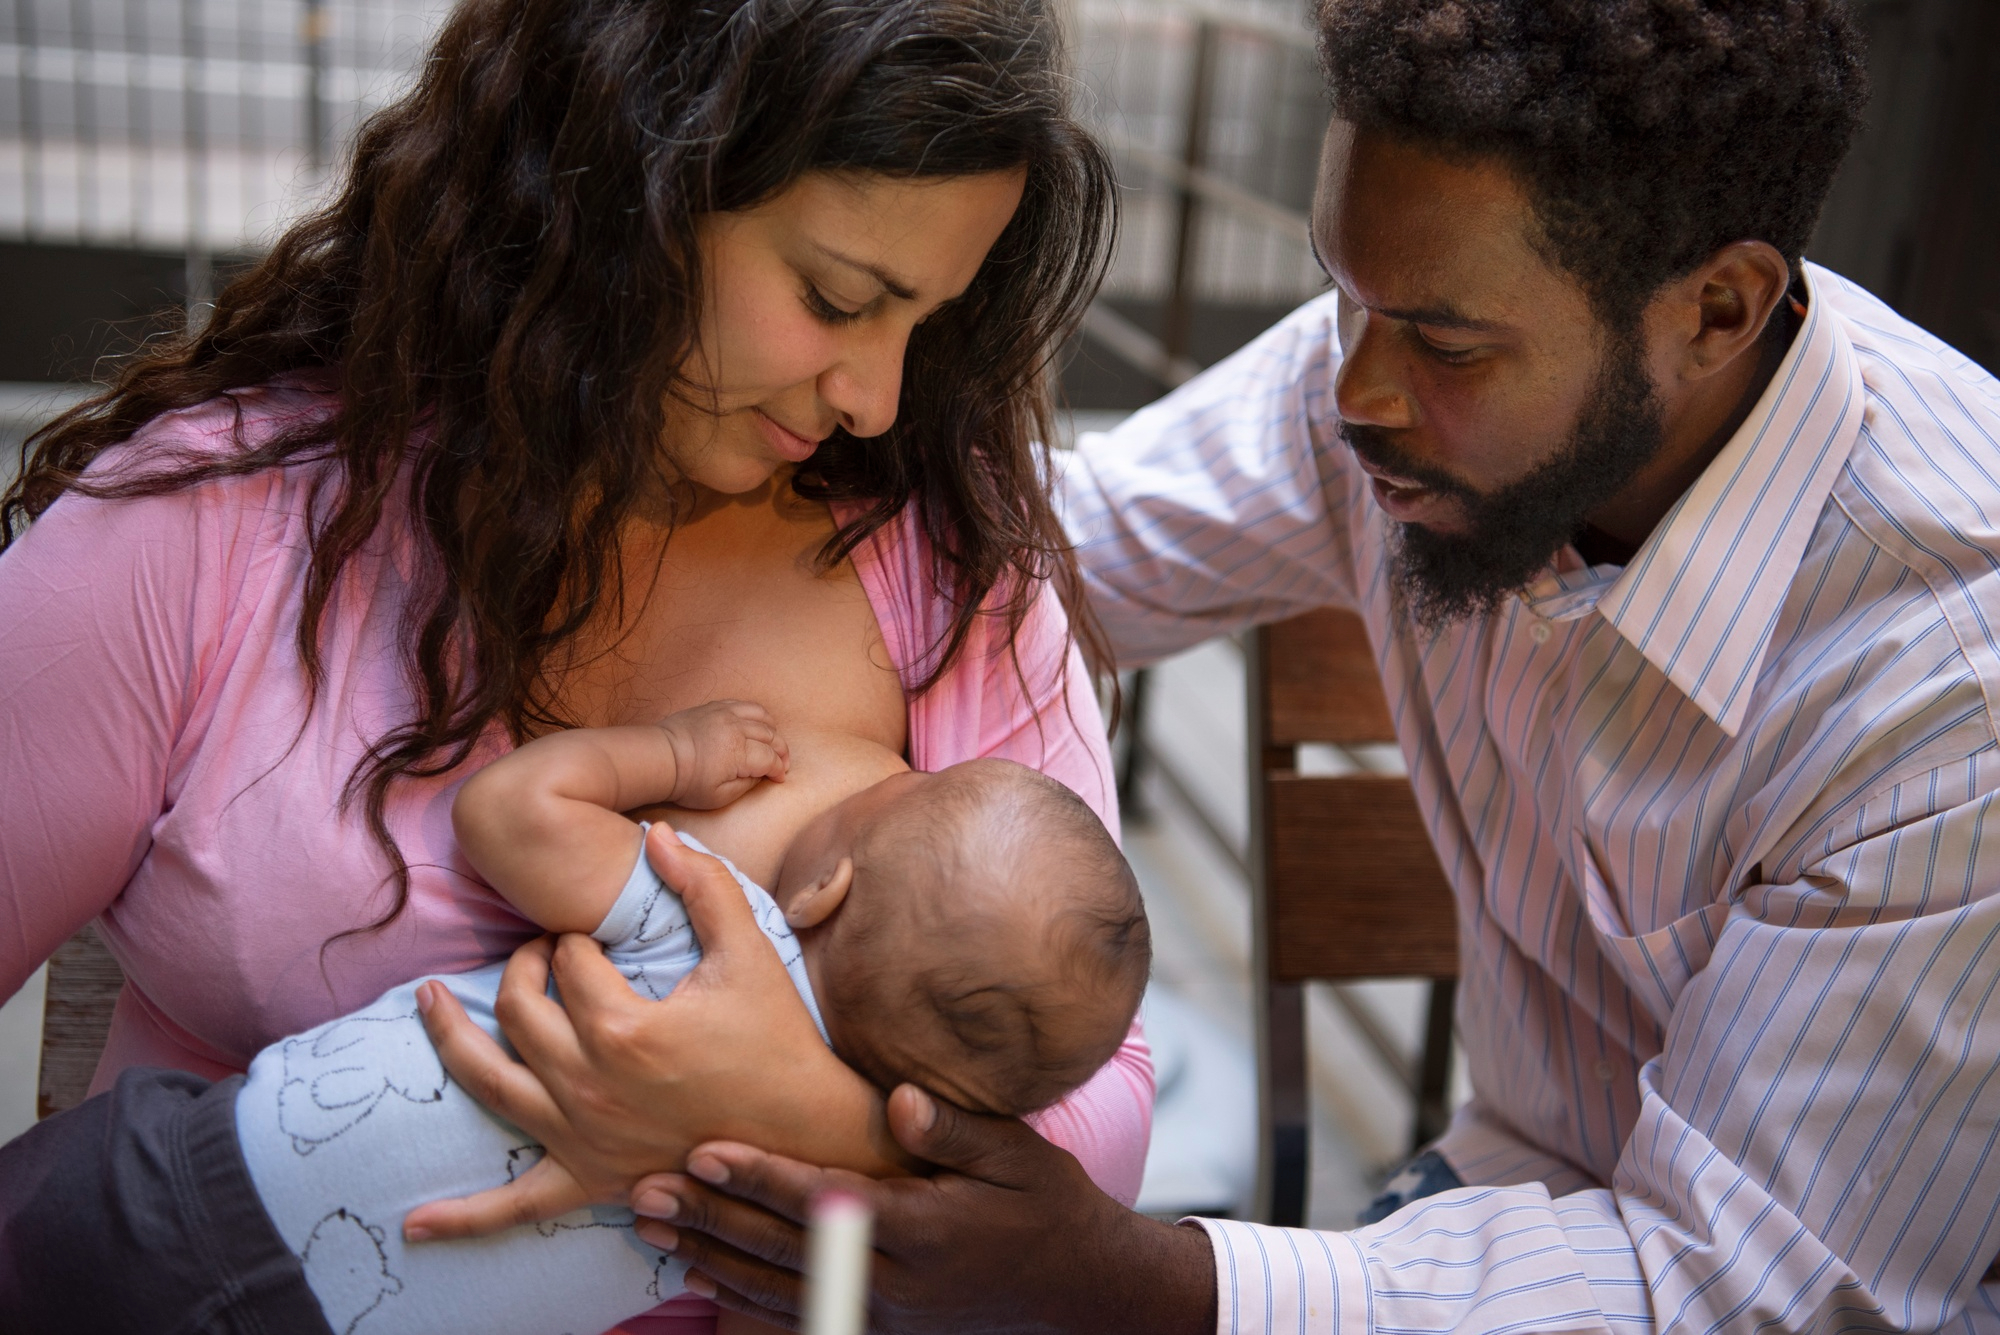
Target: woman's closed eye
{"type": "Point", "coordinates": [825, 310]}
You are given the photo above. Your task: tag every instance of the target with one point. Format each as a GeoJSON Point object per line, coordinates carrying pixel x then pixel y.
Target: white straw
{"type": "Point", "coordinates": [837, 1265]}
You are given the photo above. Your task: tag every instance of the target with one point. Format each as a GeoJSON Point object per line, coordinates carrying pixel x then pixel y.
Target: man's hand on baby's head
{"type": "Point", "coordinates": [722, 750]}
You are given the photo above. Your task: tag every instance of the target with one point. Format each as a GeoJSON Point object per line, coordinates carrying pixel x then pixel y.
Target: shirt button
{"type": "Point", "coordinates": [1539, 632]}
{"type": "Point", "coordinates": [1606, 1072]}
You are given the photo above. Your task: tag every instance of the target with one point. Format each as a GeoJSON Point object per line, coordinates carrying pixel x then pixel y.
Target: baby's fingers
{"type": "Point", "coordinates": [545, 1191]}
{"type": "Point", "coordinates": [762, 742]}
{"type": "Point", "coordinates": [767, 759]}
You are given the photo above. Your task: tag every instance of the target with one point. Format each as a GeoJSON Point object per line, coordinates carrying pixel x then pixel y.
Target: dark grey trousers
{"type": "Point", "coordinates": [134, 1213]}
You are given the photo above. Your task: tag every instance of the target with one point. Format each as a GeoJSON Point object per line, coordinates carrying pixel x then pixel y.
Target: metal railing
{"type": "Point", "coordinates": [1196, 101]}
{"type": "Point", "coordinates": [1199, 191]}
{"type": "Point", "coordinates": [197, 127]}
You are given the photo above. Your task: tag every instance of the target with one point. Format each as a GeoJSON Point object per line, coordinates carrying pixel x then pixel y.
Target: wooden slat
{"type": "Point", "coordinates": [1355, 890]}
{"type": "Point", "coordinates": [1320, 682]}
{"type": "Point", "coordinates": [83, 987]}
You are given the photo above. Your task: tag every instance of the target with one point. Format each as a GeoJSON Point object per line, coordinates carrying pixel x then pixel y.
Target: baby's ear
{"type": "Point", "coordinates": [813, 904]}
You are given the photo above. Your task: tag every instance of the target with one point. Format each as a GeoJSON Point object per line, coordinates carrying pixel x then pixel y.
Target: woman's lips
{"type": "Point", "coordinates": [789, 445]}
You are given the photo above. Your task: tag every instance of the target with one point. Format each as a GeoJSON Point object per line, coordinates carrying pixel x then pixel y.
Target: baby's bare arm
{"type": "Point", "coordinates": [542, 825]}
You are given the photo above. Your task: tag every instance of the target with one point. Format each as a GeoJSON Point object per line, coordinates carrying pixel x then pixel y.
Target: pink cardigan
{"type": "Point", "coordinates": [160, 770]}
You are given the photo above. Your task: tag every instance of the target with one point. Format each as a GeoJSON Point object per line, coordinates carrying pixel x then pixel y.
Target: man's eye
{"type": "Point", "coordinates": [1444, 352]}
{"type": "Point", "coordinates": [825, 310]}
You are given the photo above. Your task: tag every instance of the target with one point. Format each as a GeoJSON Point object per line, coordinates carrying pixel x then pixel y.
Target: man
{"type": "Point", "coordinates": [1682, 562]}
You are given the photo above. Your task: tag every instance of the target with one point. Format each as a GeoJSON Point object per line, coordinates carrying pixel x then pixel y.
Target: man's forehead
{"type": "Point", "coordinates": [1417, 235]}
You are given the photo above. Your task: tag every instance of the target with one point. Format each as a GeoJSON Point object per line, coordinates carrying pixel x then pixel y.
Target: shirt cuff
{"type": "Point", "coordinates": [1287, 1281]}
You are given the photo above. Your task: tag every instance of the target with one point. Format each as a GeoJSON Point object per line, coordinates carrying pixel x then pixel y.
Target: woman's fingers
{"type": "Point", "coordinates": [534, 1023]}
{"type": "Point", "coordinates": [586, 977]}
{"type": "Point", "coordinates": [716, 907]}
{"type": "Point", "coordinates": [545, 1191]}
{"type": "Point", "coordinates": [529, 964]}
{"type": "Point", "coordinates": [479, 1064]}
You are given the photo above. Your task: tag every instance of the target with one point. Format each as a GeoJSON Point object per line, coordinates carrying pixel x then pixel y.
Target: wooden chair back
{"type": "Point", "coordinates": [83, 986]}
{"type": "Point", "coordinates": [1345, 882]}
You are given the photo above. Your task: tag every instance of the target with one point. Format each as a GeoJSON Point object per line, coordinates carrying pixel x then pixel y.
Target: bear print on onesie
{"type": "Point", "coordinates": [348, 1127]}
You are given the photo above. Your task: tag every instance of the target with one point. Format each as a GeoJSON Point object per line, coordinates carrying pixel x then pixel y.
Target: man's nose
{"type": "Point", "coordinates": [865, 386]}
{"type": "Point", "coordinates": [1367, 390]}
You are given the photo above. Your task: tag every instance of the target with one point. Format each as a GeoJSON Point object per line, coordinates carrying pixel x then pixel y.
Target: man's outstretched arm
{"type": "Point", "coordinates": [1226, 504]}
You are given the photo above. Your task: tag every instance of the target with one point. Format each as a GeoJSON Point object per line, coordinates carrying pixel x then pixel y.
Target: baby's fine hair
{"type": "Point", "coordinates": [1003, 813]}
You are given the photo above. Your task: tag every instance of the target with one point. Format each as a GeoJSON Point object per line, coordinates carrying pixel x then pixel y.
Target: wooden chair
{"type": "Point", "coordinates": [1345, 884]}
{"type": "Point", "coordinates": [83, 986]}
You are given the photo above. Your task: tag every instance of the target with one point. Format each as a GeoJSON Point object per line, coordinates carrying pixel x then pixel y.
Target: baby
{"type": "Point", "coordinates": [975, 930]}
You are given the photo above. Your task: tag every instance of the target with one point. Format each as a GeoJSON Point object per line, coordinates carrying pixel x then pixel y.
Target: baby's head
{"type": "Point", "coordinates": [975, 931]}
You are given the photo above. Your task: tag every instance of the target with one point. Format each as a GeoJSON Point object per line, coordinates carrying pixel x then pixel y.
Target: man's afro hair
{"type": "Point", "coordinates": [1649, 133]}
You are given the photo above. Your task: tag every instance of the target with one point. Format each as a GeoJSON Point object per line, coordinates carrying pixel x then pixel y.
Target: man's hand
{"type": "Point", "coordinates": [1011, 1237]}
{"type": "Point", "coordinates": [721, 751]}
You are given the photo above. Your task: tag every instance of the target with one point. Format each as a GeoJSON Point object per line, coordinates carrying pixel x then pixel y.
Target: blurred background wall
{"type": "Point", "coordinates": [148, 145]}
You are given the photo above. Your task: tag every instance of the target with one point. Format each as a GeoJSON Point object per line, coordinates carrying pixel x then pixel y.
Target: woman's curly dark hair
{"type": "Point", "coordinates": [504, 288]}
{"type": "Point", "coordinates": [1649, 133]}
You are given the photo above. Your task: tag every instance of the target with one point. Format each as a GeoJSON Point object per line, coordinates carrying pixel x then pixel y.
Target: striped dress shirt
{"type": "Point", "coordinates": [1722, 828]}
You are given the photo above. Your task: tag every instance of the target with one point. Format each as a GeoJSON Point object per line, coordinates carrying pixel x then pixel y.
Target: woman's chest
{"type": "Point", "coordinates": [744, 619]}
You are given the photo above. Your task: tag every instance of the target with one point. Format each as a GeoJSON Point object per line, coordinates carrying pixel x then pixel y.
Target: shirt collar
{"type": "Point", "coordinates": [1701, 597]}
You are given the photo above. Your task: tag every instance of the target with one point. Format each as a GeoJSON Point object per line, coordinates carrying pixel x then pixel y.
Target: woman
{"type": "Point", "coordinates": [651, 353]}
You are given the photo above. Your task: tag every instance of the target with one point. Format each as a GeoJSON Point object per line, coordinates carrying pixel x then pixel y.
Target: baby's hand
{"type": "Point", "coordinates": [721, 750]}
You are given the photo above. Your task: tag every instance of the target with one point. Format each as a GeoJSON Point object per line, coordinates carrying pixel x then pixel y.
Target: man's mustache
{"type": "Point", "coordinates": [1376, 447]}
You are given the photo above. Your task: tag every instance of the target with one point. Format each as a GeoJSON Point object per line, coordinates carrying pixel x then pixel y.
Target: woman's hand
{"type": "Point", "coordinates": [1013, 1236]}
{"type": "Point", "coordinates": [616, 1086]}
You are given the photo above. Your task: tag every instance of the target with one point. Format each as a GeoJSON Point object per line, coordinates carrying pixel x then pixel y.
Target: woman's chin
{"type": "Point", "coordinates": [733, 477]}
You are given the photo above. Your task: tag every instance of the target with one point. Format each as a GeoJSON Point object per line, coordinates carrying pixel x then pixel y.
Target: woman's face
{"type": "Point", "coordinates": [811, 300]}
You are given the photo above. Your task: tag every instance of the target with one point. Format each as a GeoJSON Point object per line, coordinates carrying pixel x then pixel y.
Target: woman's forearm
{"type": "Point", "coordinates": [836, 1119]}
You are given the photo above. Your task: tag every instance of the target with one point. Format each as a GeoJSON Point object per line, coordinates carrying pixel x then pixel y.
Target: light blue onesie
{"type": "Point", "coordinates": [348, 1127]}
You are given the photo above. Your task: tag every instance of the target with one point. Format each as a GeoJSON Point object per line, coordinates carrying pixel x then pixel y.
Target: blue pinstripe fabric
{"type": "Point", "coordinates": [1717, 821]}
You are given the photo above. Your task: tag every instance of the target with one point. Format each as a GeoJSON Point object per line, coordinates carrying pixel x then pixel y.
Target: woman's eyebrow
{"type": "Point", "coordinates": [894, 286]}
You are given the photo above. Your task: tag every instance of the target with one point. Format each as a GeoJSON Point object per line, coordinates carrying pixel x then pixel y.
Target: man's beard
{"type": "Point", "coordinates": [1512, 534]}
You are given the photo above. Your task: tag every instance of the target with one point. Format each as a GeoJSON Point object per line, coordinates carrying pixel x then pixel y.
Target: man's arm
{"type": "Point", "coordinates": [1816, 1146]}
{"type": "Point", "coordinates": [1226, 504]}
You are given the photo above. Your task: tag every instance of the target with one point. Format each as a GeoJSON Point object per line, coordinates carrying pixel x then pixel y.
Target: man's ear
{"type": "Point", "coordinates": [813, 904]}
{"type": "Point", "coordinates": [1724, 306]}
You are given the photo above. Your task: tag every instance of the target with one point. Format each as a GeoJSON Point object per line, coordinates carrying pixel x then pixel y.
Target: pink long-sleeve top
{"type": "Point", "coordinates": [163, 768]}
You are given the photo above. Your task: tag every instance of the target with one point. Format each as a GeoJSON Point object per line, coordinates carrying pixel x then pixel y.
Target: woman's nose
{"type": "Point", "coordinates": [1366, 390]}
{"type": "Point", "coordinates": [865, 386]}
